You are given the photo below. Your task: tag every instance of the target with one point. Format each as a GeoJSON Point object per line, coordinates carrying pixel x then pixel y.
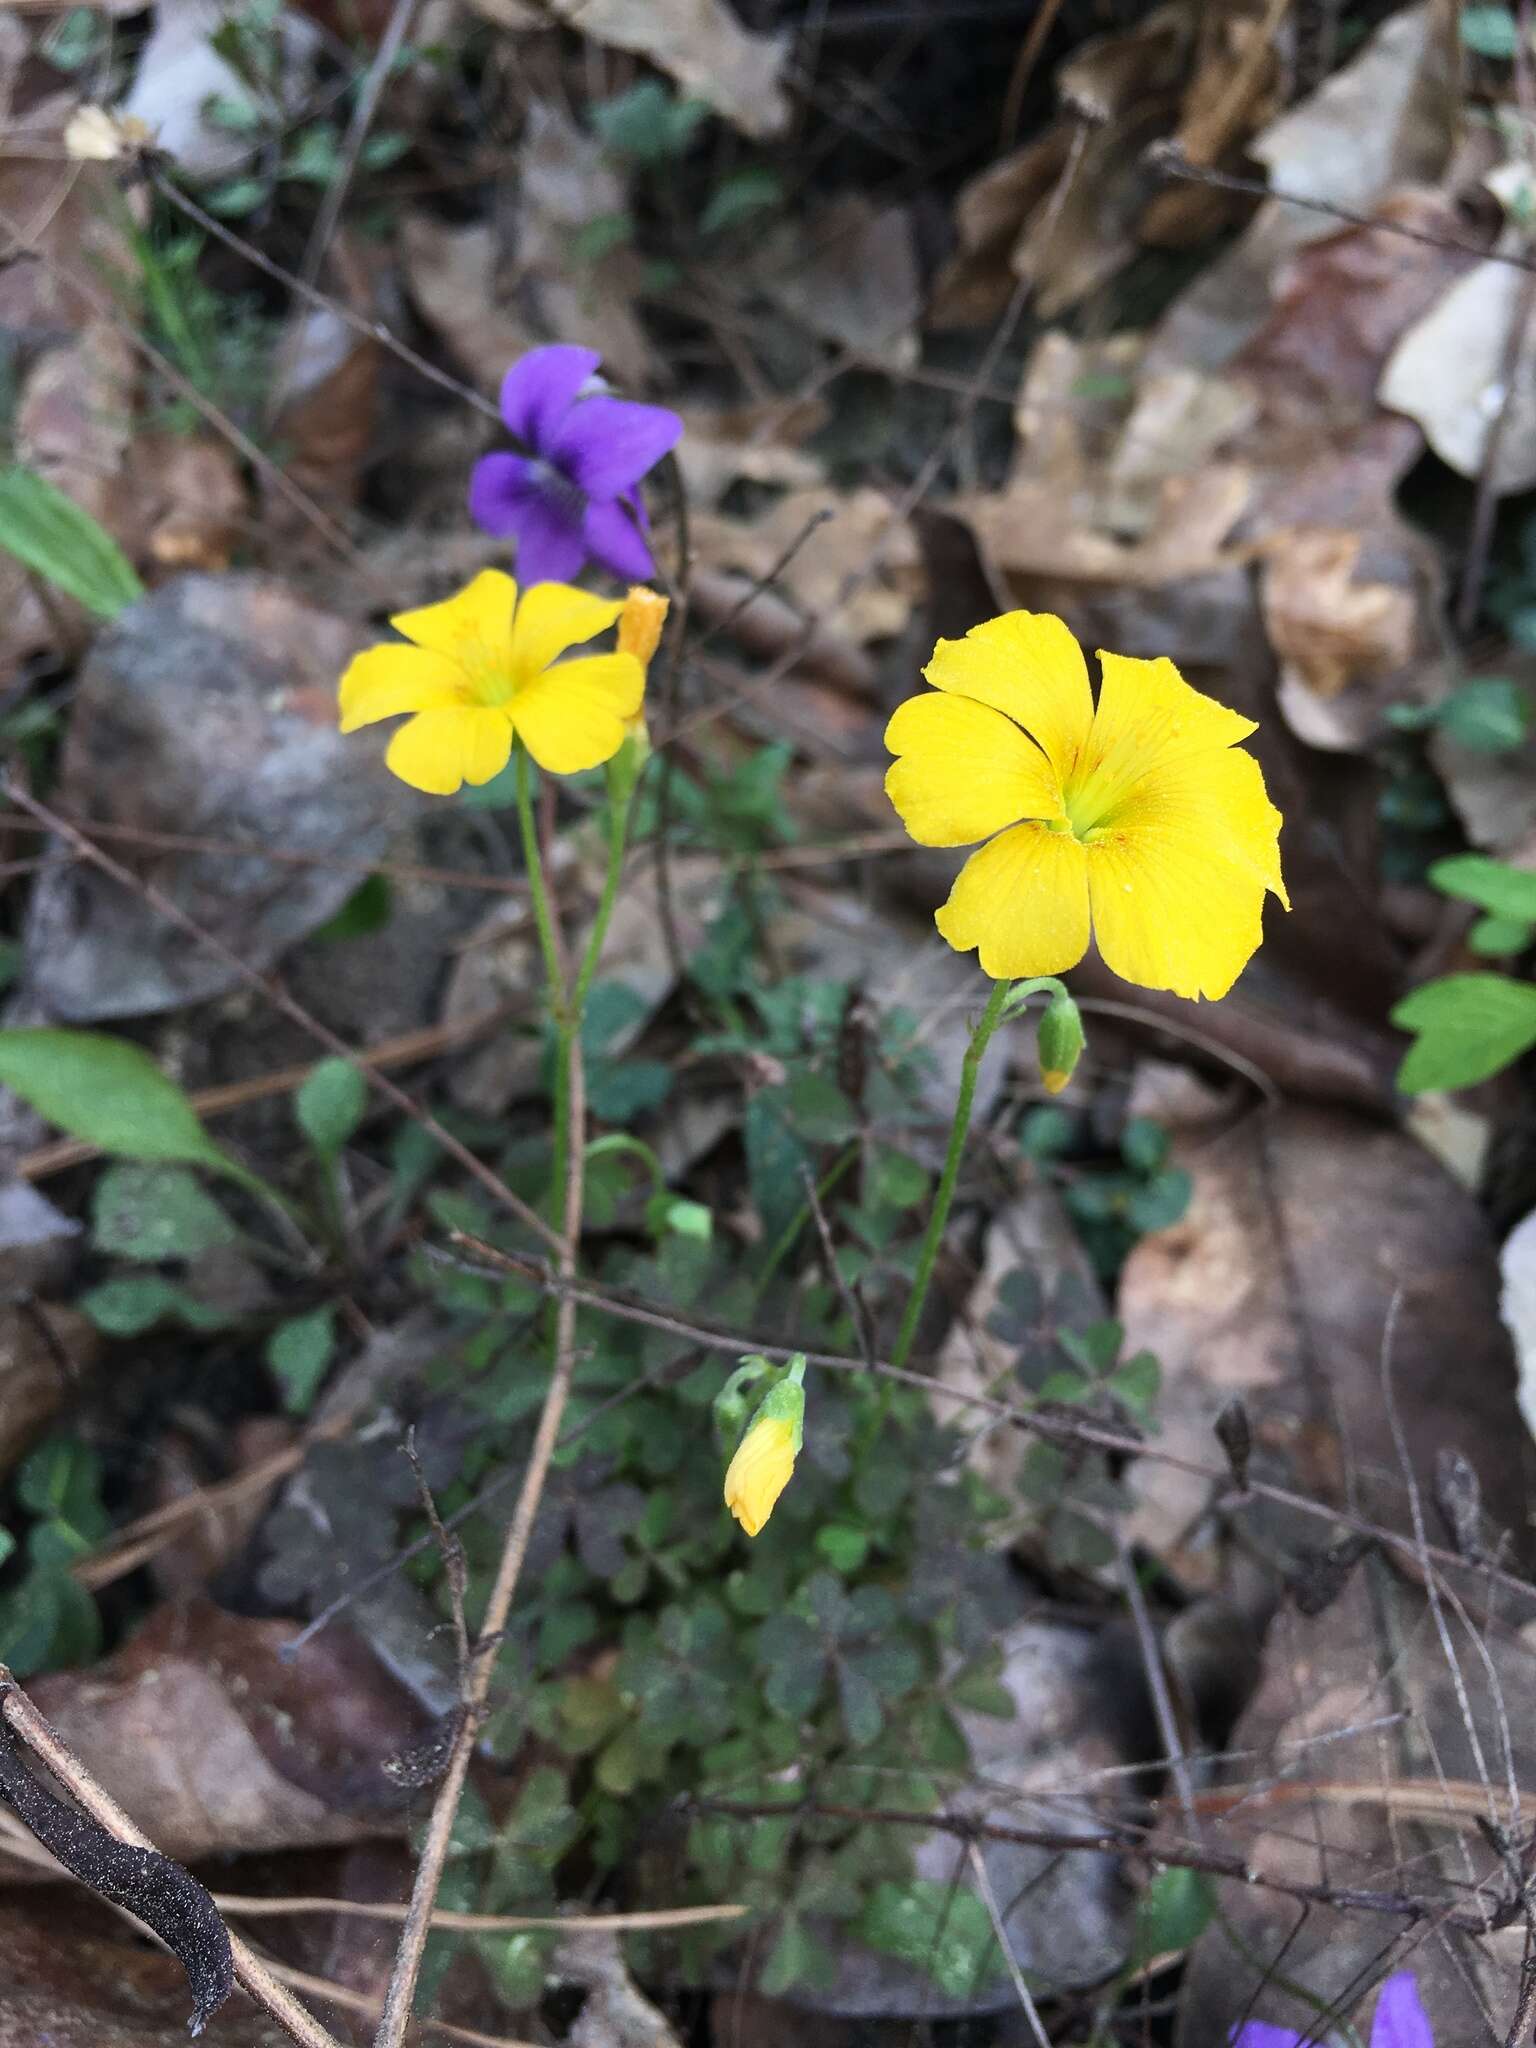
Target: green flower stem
{"type": "Point", "coordinates": [533, 860]}
{"type": "Point", "coordinates": [938, 1216]}
{"type": "Point", "coordinates": [618, 828]}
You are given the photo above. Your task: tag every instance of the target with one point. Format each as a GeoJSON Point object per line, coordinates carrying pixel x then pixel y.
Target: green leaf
{"type": "Point", "coordinates": [59, 540]}
{"type": "Point", "coordinates": [1143, 1144]}
{"type": "Point", "coordinates": [1137, 1383]}
{"type": "Point", "coordinates": [1492, 885]}
{"type": "Point", "coordinates": [329, 1105]}
{"type": "Point", "coordinates": [1161, 1203]}
{"type": "Point", "coordinates": [1488, 715]}
{"type": "Point", "coordinates": [107, 1092]}
{"type": "Point", "coordinates": [1490, 31]}
{"type": "Point", "coordinates": [151, 1213]}
{"type": "Point", "coordinates": [941, 1930]}
{"type": "Point", "coordinates": [298, 1352]}
{"type": "Point", "coordinates": [365, 912]}
{"type": "Point", "coordinates": [1496, 938]}
{"type": "Point", "coordinates": [843, 1546]}
{"type": "Point", "coordinates": [237, 196]}
{"type": "Point", "coordinates": [796, 1958]}
{"type": "Point", "coordinates": [1467, 1026]}
{"type": "Point", "coordinates": [1172, 1913]}
{"type": "Point", "coordinates": [739, 197]}
{"type": "Point", "coordinates": [776, 1161]}
{"type": "Point", "coordinates": [62, 1477]}
{"type": "Point", "coordinates": [134, 1303]}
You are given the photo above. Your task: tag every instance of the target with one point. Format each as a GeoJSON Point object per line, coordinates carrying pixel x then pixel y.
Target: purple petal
{"type": "Point", "coordinates": [1401, 2021]}
{"type": "Point", "coordinates": [501, 489]}
{"type": "Point", "coordinates": [607, 444]}
{"type": "Point", "coordinates": [540, 389]}
{"type": "Point", "coordinates": [550, 545]}
{"type": "Point", "coordinates": [614, 538]}
{"type": "Point", "coordinates": [1260, 2034]}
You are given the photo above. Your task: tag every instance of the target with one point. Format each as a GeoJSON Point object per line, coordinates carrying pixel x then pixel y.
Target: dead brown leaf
{"type": "Point", "coordinates": [190, 506]}
{"type": "Point", "coordinates": [1067, 210]}
{"type": "Point", "coordinates": [328, 377]}
{"type": "Point", "coordinates": [1370, 1695]}
{"type": "Point", "coordinates": [1448, 373]}
{"type": "Point", "coordinates": [208, 1736]}
{"type": "Point", "coordinates": [847, 272]}
{"type": "Point", "coordinates": [859, 527]}
{"type": "Point", "coordinates": [74, 1977]}
{"type": "Point", "coordinates": [1304, 1228]}
{"type": "Point", "coordinates": [46, 1353]}
{"type": "Point", "coordinates": [703, 46]}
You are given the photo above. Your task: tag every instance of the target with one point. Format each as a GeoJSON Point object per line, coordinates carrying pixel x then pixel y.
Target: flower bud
{"type": "Point", "coordinates": [1060, 1042]}
{"type": "Point", "coordinates": [766, 1455]}
{"type": "Point", "coordinates": [640, 623]}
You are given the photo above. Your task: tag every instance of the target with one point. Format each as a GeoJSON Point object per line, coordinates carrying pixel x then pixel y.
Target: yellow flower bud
{"type": "Point", "coordinates": [760, 1470]}
{"type": "Point", "coordinates": [640, 623]}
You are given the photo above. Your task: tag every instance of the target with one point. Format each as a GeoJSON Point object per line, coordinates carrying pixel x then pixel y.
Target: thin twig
{"type": "Point", "coordinates": [1021, 1989]}
{"type": "Point", "coordinates": [1157, 1685]}
{"type": "Point", "coordinates": [439, 1835]}
{"type": "Point", "coordinates": [338, 188]}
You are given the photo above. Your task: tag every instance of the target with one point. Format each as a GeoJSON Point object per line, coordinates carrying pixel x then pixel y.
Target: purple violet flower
{"type": "Point", "coordinates": [574, 494]}
{"type": "Point", "coordinates": [1400, 2022]}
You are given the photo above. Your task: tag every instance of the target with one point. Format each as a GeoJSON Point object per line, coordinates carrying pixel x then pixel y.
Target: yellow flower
{"type": "Point", "coordinates": [1139, 814]}
{"type": "Point", "coordinates": [482, 670]}
{"type": "Point", "coordinates": [760, 1470]}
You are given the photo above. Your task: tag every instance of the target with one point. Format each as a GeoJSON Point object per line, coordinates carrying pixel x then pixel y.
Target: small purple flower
{"type": "Point", "coordinates": [1400, 2022]}
{"type": "Point", "coordinates": [574, 493]}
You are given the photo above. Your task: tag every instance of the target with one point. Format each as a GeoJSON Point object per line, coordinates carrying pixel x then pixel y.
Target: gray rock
{"type": "Point", "coordinates": [1068, 1917]}
{"type": "Point", "coordinates": [209, 708]}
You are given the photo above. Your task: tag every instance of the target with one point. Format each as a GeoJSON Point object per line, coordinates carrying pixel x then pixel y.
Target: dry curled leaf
{"type": "Point", "coordinates": [703, 45]}
{"type": "Point", "coordinates": [1448, 373]}
{"type": "Point", "coordinates": [1328, 628]}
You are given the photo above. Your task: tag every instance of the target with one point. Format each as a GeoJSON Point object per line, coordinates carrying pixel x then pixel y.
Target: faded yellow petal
{"type": "Point", "coordinates": [965, 772]}
{"type": "Point", "coordinates": [473, 628]}
{"type": "Point", "coordinates": [760, 1471]}
{"type": "Point", "coordinates": [1148, 716]}
{"type": "Point", "coordinates": [1028, 666]}
{"type": "Point", "coordinates": [385, 681]}
{"type": "Point", "coordinates": [438, 750]}
{"type": "Point", "coordinates": [572, 716]}
{"type": "Point", "coordinates": [1178, 880]}
{"type": "Point", "coordinates": [1022, 900]}
{"type": "Point", "coordinates": [552, 617]}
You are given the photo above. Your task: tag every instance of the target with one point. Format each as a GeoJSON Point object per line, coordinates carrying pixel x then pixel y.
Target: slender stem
{"type": "Point", "coordinates": [618, 830]}
{"type": "Point", "coordinates": [549, 948]}
{"type": "Point", "coordinates": [938, 1216]}
{"type": "Point", "coordinates": [571, 1133]}
{"type": "Point", "coordinates": [533, 860]}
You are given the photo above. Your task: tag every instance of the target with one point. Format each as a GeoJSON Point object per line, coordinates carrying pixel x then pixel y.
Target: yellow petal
{"type": "Point", "coordinates": [385, 681]}
{"type": "Point", "coordinates": [572, 716]}
{"type": "Point", "coordinates": [1023, 901]}
{"type": "Point", "coordinates": [474, 628]}
{"type": "Point", "coordinates": [487, 744]}
{"type": "Point", "coordinates": [1028, 666]}
{"type": "Point", "coordinates": [552, 617]}
{"type": "Point", "coordinates": [1178, 880]}
{"type": "Point", "coordinates": [966, 771]}
{"type": "Point", "coordinates": [640, 623]}
{"type": "Point", "coordinates": [438, 750]}
{"type": "Point", "coordinates": [1147, 716]}
{"type": "Point", "coordinates": [760, 1471]}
